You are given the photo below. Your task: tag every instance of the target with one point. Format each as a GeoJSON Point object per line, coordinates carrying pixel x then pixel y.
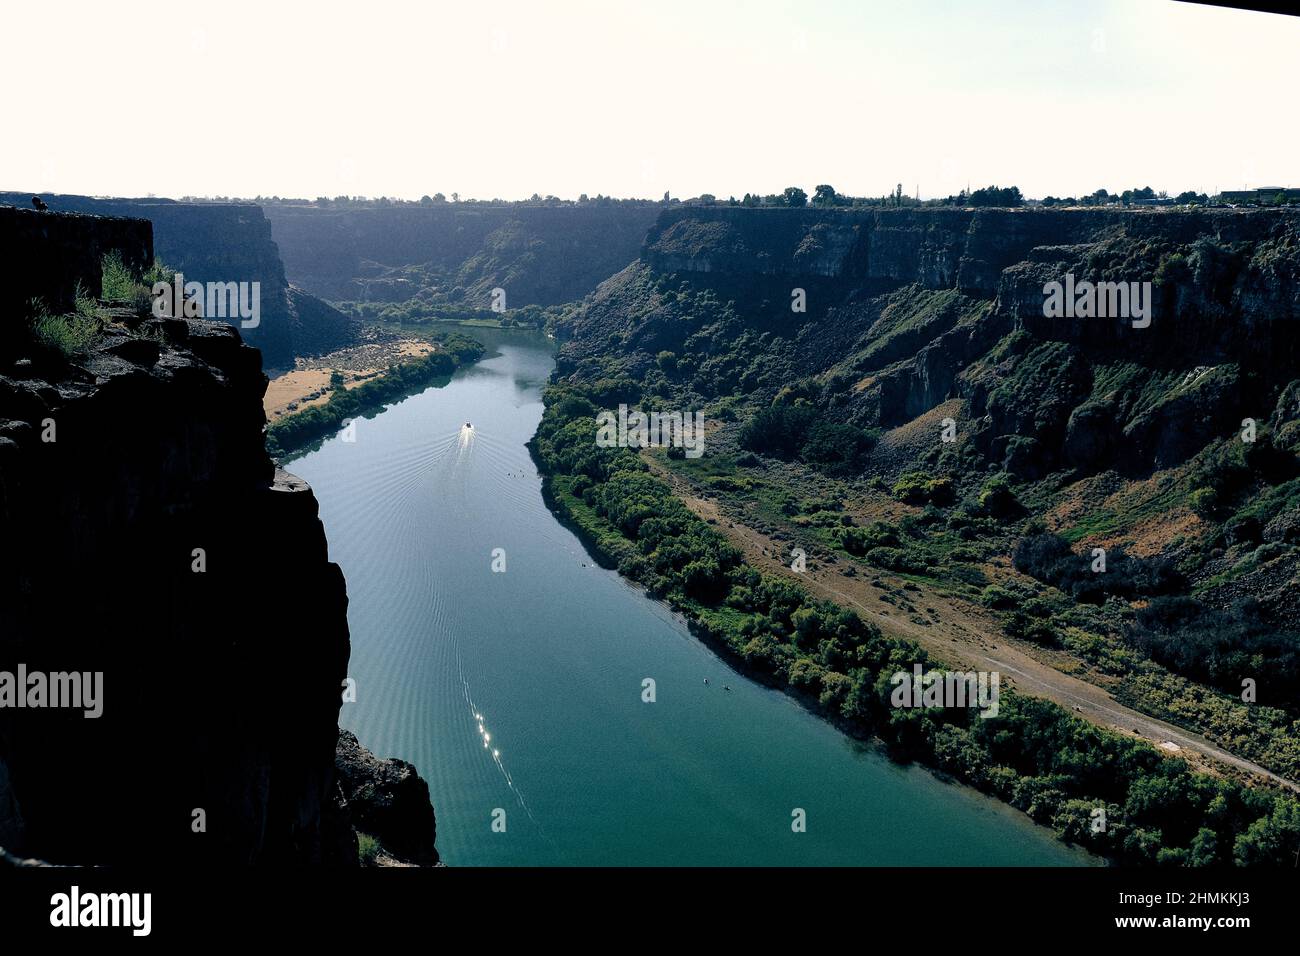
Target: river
{"type": "Point", "coordinates": [518, 694]}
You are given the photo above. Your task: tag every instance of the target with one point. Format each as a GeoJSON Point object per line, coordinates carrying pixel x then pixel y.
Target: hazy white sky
{"type": "Point", "coordinates": [504, 99]}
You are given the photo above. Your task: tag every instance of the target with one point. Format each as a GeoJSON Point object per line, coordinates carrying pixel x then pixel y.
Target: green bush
{"type": "Point", "coordinates": [918, 488]}
{"type": "Point", "coordinates": [367, 849]}
{"type": "Point", "coordinates": [117, 281]}
{"type": "Point", "coordinates": [65, 334]}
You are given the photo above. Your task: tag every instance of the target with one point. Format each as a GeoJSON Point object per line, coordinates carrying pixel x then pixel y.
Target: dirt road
{"type": "Point", "coordinates": [961, 634]}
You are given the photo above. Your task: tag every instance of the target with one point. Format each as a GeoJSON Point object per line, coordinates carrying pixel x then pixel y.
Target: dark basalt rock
{"type": "Point", "coordinates": [48, 254]}
{"type": "Point", "coordinates": [386, 799]}
{"type": "Point", "coordinates": [146, 535]}
{"type": "Point", "coordinates": [136, 351]}
{"type": "Point", "coordinates": [217, 242]}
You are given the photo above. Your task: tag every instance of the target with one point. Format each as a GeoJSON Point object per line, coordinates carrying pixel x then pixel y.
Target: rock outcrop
{"type": "Point", "coordinates": [148, 543]}
{"type": "Point", "coordinates": [386, 799]}
{"type": "Point", "coordinates": [49, 254]}
{"type": "Point", "coordinates": [227, 242]}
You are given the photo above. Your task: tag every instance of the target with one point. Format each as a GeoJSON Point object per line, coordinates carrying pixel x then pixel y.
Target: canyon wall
{"type": "Point", "coordinates": [541, 255]}
{"type": "Point", "coordinates": [910, 305]}
{"type": "Point", "coordinates": [936, 247]}
{"type": "Point", "coordinates": [226, 242]}
{"type": "Point", "coordinates": [146, 536]}
{"type": "Point", "coordinates": [50, 254]}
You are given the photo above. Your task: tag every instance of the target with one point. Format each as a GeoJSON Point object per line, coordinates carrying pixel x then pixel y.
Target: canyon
{"type": "Point", "coordinates": [1106, 430]}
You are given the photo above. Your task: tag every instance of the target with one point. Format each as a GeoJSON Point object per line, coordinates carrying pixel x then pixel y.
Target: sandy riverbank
{"type": "Point", "coordinates": [307, 384]}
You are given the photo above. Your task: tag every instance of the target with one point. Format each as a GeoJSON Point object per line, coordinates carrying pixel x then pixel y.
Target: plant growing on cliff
{"type": "Point", "coordinates": [367, 849]}
{"type": "Point", "coordinates": [119, 284]}
{"type": "Point", "coordinates": [87, 305]}
{"type": "Point", "coordinates": [116, 281]}
{"type": "Point", "coordinates": [65, 334]}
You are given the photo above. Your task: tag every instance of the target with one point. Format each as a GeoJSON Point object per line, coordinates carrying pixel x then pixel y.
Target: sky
{"type": "Point", "coordinates": [506, 99]}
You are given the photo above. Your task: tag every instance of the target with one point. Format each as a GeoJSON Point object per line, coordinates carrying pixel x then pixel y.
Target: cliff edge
{"type": "Point", "coordinates": [166, 589]}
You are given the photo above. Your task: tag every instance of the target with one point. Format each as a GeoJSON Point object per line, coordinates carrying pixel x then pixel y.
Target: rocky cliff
{"type": "Point", "coordinates": [540, 255]}
{"type": "Point", "coordinates": [43, 251]}
{"type": "Point", "coordinates": [226, 242]}
{"type": "Point", "coordinates": [911, 316]}
{"type": "Point", "coordinates": [150, 544]}
{"type": "Point", "coordinates": [906, 302]}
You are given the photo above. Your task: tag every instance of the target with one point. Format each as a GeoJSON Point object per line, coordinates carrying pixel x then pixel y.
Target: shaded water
{"type": "Point", "coordinates": [522, 691]}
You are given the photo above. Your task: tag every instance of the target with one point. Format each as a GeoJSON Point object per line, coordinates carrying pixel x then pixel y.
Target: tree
{"type": "Point", "coordinates": [995, 196]}
{"type": "Point", "coordinates": [794, 197]}
{"type": "Point", "coordinates": [824, 195]}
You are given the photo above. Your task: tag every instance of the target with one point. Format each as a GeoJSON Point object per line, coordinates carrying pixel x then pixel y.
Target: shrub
{"type": "Point", "coordinates": [998, 598]}
{"type": "Point", "coordinates": [838, 449]}
{"type": "Point", "coordinates": [997, 499]}
{"type": "Point", "coordinates": [918, 488]}
{"type": "Point", "coordinates": [858, 541]}
{"type": "Point", "coordinates": [116, 281]}
{"type": "Point", "coordinates": [65, 334]}
{"type": "Point", "coordinates": [1221, 648]}
{"type": "Point", "coordinates": [896, 559]}
{"type": "Point", "coordinates": [779, 430]}
{"type": "Point", "coordinates": [1050, 559]}
{"type": "Point", "coordinates": [367, 849]}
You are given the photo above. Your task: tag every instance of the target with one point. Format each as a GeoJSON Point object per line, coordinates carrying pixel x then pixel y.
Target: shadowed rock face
{"type": "Point", "coordinates": [220, 686]}
{"type": "Point", "coordinates": [1225, 309]}
{"type": "Point", "coordinates": [936, 247]}
{"type": "Point", "coordinates": [226, 242]}
{"type": "Point", "coordinates": [145, 535]}
{"type": "Point", "coordinates": [49, 254]}
{"type": "Point", "coordinates": [387, 800]}
{"type": "Point", "coordinates": [540, 255]}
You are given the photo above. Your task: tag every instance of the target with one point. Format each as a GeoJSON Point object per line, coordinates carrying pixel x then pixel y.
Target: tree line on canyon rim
{"type": "Point", "coordinates": [823, 195]}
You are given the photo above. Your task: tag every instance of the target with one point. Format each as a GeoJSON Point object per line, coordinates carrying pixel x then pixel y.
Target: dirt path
{"type": "Point", "coordinates": [960, 634]}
